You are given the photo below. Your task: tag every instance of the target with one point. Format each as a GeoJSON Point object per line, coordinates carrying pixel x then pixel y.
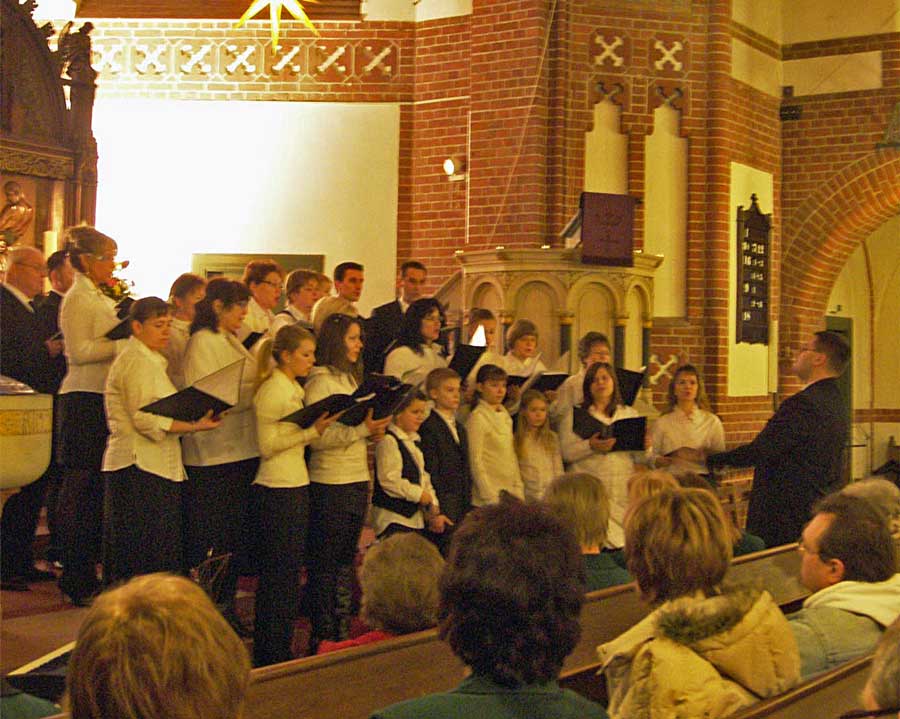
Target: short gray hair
{"type": "Point", "coordinates": [883, 494]}
{"type": "Point", "coordinates": [884, 681]}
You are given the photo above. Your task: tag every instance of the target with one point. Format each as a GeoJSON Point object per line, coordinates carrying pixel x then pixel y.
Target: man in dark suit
{"type": "Point", "coordinates": [384, 324]}
{"type": "Point", "coordinates": [797, 457]}
{"type": "Point", "coordinates": [26, 355]}
{"type": "Point", "coordinates": [446, 452]}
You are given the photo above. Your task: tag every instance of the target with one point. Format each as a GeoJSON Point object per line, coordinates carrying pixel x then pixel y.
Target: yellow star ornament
{"type": "Point", "coordinates": [294, 7]}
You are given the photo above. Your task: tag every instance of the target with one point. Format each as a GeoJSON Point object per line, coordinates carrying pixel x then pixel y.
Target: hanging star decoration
{"type": "Point", "coordinates": [293, 7]}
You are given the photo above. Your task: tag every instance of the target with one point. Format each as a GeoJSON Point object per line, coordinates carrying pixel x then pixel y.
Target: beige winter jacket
{"type": "Point", "coordinates": [701, 657]}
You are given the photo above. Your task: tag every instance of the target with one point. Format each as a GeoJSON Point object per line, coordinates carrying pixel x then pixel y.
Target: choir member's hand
{"type": "Point", "coordinates": [426, 500]}
{"type": "Point", "coordinates": [206, 422]}
{"type": "Point", "coordinates": [602, 445]}
{"type": "Point", "coordinates": [439, 523]}
{"type": "Point", "coordinates": [325, 421]}
{"type": "Point", "coordinates": [376, 427]}
{"type": "Point", "coordinates": [54, 347]}
{"type": "Point", "coordinates": [691, 455]}
{"type": "Point", "coordinates": [662, 462]}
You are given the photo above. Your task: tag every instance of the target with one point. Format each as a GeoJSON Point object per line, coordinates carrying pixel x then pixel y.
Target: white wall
{"type": "Point", "coordinates": [409, 11]}
{"type": "Point", "coordinates": [182, 177]}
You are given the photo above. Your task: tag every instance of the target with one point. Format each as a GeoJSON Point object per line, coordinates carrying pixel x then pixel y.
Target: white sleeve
{"type": "Point", "coordinates": [389, 463]}
{"type": "Point", "coordinates": [573, 447]}
{"type": "Point", "coordinates": [76, 322]}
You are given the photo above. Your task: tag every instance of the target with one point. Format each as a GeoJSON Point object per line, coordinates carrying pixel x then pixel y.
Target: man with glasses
{"type": "Point", "coordinates": [797, 457]}
{"type": "Point", "coordinates": [25, 356]}
{"type": "Point", "coordinates": [849, 563]}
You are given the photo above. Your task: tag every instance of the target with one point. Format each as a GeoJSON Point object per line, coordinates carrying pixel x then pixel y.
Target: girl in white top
{"type": "Point", "coordinates": [302, 290]}
{"type": "Point", "coordinates": [186, 292]}
{"type": "Point", "coordinates": [592, 347]}
{"type": "Point", "coordinates": [537, 446]}
{"type": "Point", "coordinates": [415, 352]}
{"type": "Point", "coordinates": [339, 476]}
{"type": "Point", "coordinates": [85, 316]}
{"type": "Point", "coordinates": [279, 497]}
{"type": "Point", "coordinates": [521, 360]}
{"type": "Point", "coordinates": [687, 425]}
{"type": "Point", "coordinates": [597, 456]}
{"type": "Point", "coordinates": [264, 279]}
{"type": "Point", "coordinates": [220, 464]}
{"type": "Point", "coordinates": [404, 498]}
{"type": "Point", "coordinates": [492, 456]}
{"type": "Point", "coordinates": [142, 463]}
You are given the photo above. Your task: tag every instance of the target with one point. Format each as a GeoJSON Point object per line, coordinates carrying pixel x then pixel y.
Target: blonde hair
{"type": "Point", "coordinates": [399, 581]}
{"type": "Point", "coordinates": [645, 484]}
{"type": "Point", "coordinates": [677, 543]}
{"type": "Point", "coordinates": [328, 306]}
{"type": "Point", "coordinates": [544, 436]}
{"type": "Point", "coordinates": [692, 480]}
{"type": "Point", "coordinates": [156, 648]}
{"type": "Point", "coordinates": [287, 339]}
{"type": "Point", "coordinates": [84, 240]}
{"type": "Point", "coordinates": [581, 502]}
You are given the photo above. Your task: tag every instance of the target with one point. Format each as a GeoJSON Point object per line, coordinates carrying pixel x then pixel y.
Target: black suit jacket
{"type": "Point", "coordinates": [797, 458]}
{"type": "Point", "coordinates": [381, 329]}
{"type": "Point", "coordinates": [23, 355]}
{"type": "Point", "coordinates": [448, 464]}
{"type": "Point", "coordinates": [48, 318]}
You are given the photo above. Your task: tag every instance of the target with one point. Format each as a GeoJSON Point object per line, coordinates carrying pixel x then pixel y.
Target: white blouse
{"type": "Point", "coordinates": [612, 468]}
{"type": "Point", "coordinates": [698, 430]}
{"type": "Point", "coordinates": [538, 466]}
{"type": "Point", "coordinates": [256, 320]}
{"type": "Point", "coordinates": [292, 317]}
{"type": "Point", "coordinates": [492, 455]}
{"type": "Point", "coordinates": [235, 439]}
{"type": "Point", "coordinates": [404, 364]}
{"type": "Point", "coordinates": [137, 378]}
{"type": "Point", "coordinates": [85, 316]}
{"type": "Point", "coordinates": [281, 444]}
{"type": "Point", "coordinates": [389, 462]}
{"type": "Point", "coordinates": [179, 336]}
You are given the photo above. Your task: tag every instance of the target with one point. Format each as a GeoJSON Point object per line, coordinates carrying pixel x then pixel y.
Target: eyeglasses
{"type": "Point", "coordinates": [104, 258]}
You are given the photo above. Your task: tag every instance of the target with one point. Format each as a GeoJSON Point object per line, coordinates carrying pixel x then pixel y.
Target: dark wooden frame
{"type": "Point", "coordinates": [754, 243]}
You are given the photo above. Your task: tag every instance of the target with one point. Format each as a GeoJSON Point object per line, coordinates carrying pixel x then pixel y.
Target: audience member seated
{"type": "Point", "coordinates": [156, 648]}
{"type": "Point", "coordinates": [882, 692]}
{"type": "Point", "coordinates": [881, 492]}
{"type": "Point", "coordinates": [706, 650]}
{"type": "Point", "coordinates": [848, 563]}
{"type": "Point", "coordinates": [510, 599]}
{"type": "Point", "coordinates": [580, 501]}
{"type": "Point", "coordinates": [399, 581]}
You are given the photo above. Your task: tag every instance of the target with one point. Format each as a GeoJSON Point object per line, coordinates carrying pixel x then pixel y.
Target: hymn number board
{"type": "Point", "coordinates": [754, 233]}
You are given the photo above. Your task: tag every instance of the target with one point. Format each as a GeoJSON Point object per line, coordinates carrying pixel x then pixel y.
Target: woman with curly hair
{"type": "Point", "coordinates": [510, 597]}
{"type": "Point", "coordinates": [416, 352]}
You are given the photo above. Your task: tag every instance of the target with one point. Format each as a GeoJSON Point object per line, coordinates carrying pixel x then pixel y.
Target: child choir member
{"type": "Point", "coordinates": [601, 398]}
{"type": "Point", "coordinates": [339, 480]}
{"type": "Point", "coordinates": [279, 497]}
{"type": "Point", "coordinates": [186, 292]}
{"type": "Point", "coordinates": [404, 498]}
{"type": "Point", "coordinates": [492, 455]}
{"type": "Point", "coordinates": [142, 465]}
{"type": "Point", "coordinates": [537, 446]}
{"type": "Point", "coordinates": [221, 463]}
{"type": "Point", "coordinates": [446, 450]}
{"type": "Point", "coordinates": [521, 358]}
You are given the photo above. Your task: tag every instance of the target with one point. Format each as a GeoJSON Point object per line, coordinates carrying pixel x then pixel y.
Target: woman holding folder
{"type": "Point", "coordinates": [85, 316]}
{"type": "Point", "coordinates": [220, 464]}
{"type": "Point", "coordinates": [598, 456]}
{"type": "Point", "coordinates": [339, 480]}
{"type": "Point", "coordinates": [279, 497]}
{"type": "Point", "coordinates": [142, 464]}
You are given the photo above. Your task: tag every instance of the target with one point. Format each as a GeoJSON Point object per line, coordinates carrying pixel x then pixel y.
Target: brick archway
{"type": "Point", "coordinates": [822, 234]}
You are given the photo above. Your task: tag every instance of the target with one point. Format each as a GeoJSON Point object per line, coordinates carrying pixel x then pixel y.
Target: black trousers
{"type": "Point", "coordinates": [280, 517]}
{"type": "Point", "coordinates": [79, 513]}
{"type": "Point", "coordinates": [337, 513]}
{"type": "Point", "coordinates": [214, 516]}
{"type": "Point", "coordinates": [17, 527]}
{"type": "Point", "coordinates": [141, 525]}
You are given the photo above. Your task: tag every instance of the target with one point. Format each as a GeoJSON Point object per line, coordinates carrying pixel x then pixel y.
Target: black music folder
{"type": "Point", "coordinates": [629, 432]}
{"type": "Point", "coordinates": [120, 331]}
{"type": "Point", "coordinates": [549, 381]}
{"type": "Point", "coordinates": [629, 384]}
{"type": "Point", "coordinates": [252, 339]}
{"type": "Point", "coordinates": [465, 358]}
{"type": "Point", "coordinates": [218, 392]}
{"type": "Point", "coordinates": [123, 307]}
{"type": "Point", "coordinates": [306, 417]}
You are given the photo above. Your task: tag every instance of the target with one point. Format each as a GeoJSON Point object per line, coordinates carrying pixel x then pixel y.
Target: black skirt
{"type": "Point", "coordinates": [82, 430]}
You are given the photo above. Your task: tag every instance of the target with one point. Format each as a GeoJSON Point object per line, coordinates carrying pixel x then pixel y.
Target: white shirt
{"type": "Point", "coordinates": [339, 456]}
{"type": "Point", "coordinates": [281, 444]}
{"type": "Point", "coordinates": [85, 316]}
{"type": "Point", "coordinates": [137, 378]}
{"type": "Point", "coordinates": [404, 364]}
{"type": "Point", "coordinates": [520, 368]}
{"type": "Point", "coordinates": [487, 357]}
{"type": "Point", "coordinates": [292, 317]}
{"type": "Point", "coordinates": [612, 468]}
{"type": "Point", "coordinates": [492, 456]}
{"type": "Point", "coordinates": [570, 393]}
{"type": "Point", "coordinates": [235, 439]}
{"type": "Point", "coordinates": [390, 476]}
{"type": "Point", "coordinates": [179, 336]}
{"type": "Point", "coordinates": [538, 466]}
{"type": "Point", "coordinates": [256, 320]}
{"type": "Point", "coordinates": [699, 430]}
{"type": "Point", "coordinates": [450, 420]}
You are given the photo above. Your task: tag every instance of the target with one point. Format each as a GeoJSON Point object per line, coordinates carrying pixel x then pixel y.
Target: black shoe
{"type": "Point", "coordinates": [14, 584]}
{"type": "Point", "coordinates": [38, 575]}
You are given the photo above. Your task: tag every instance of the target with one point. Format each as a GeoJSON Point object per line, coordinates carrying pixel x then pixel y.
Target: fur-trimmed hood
{"type": "Point", "coordinates": [701, 656]}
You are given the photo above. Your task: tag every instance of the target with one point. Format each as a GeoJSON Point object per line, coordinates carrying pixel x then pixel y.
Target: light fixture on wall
{"type": "Point", "coordinates": [455, 168]}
